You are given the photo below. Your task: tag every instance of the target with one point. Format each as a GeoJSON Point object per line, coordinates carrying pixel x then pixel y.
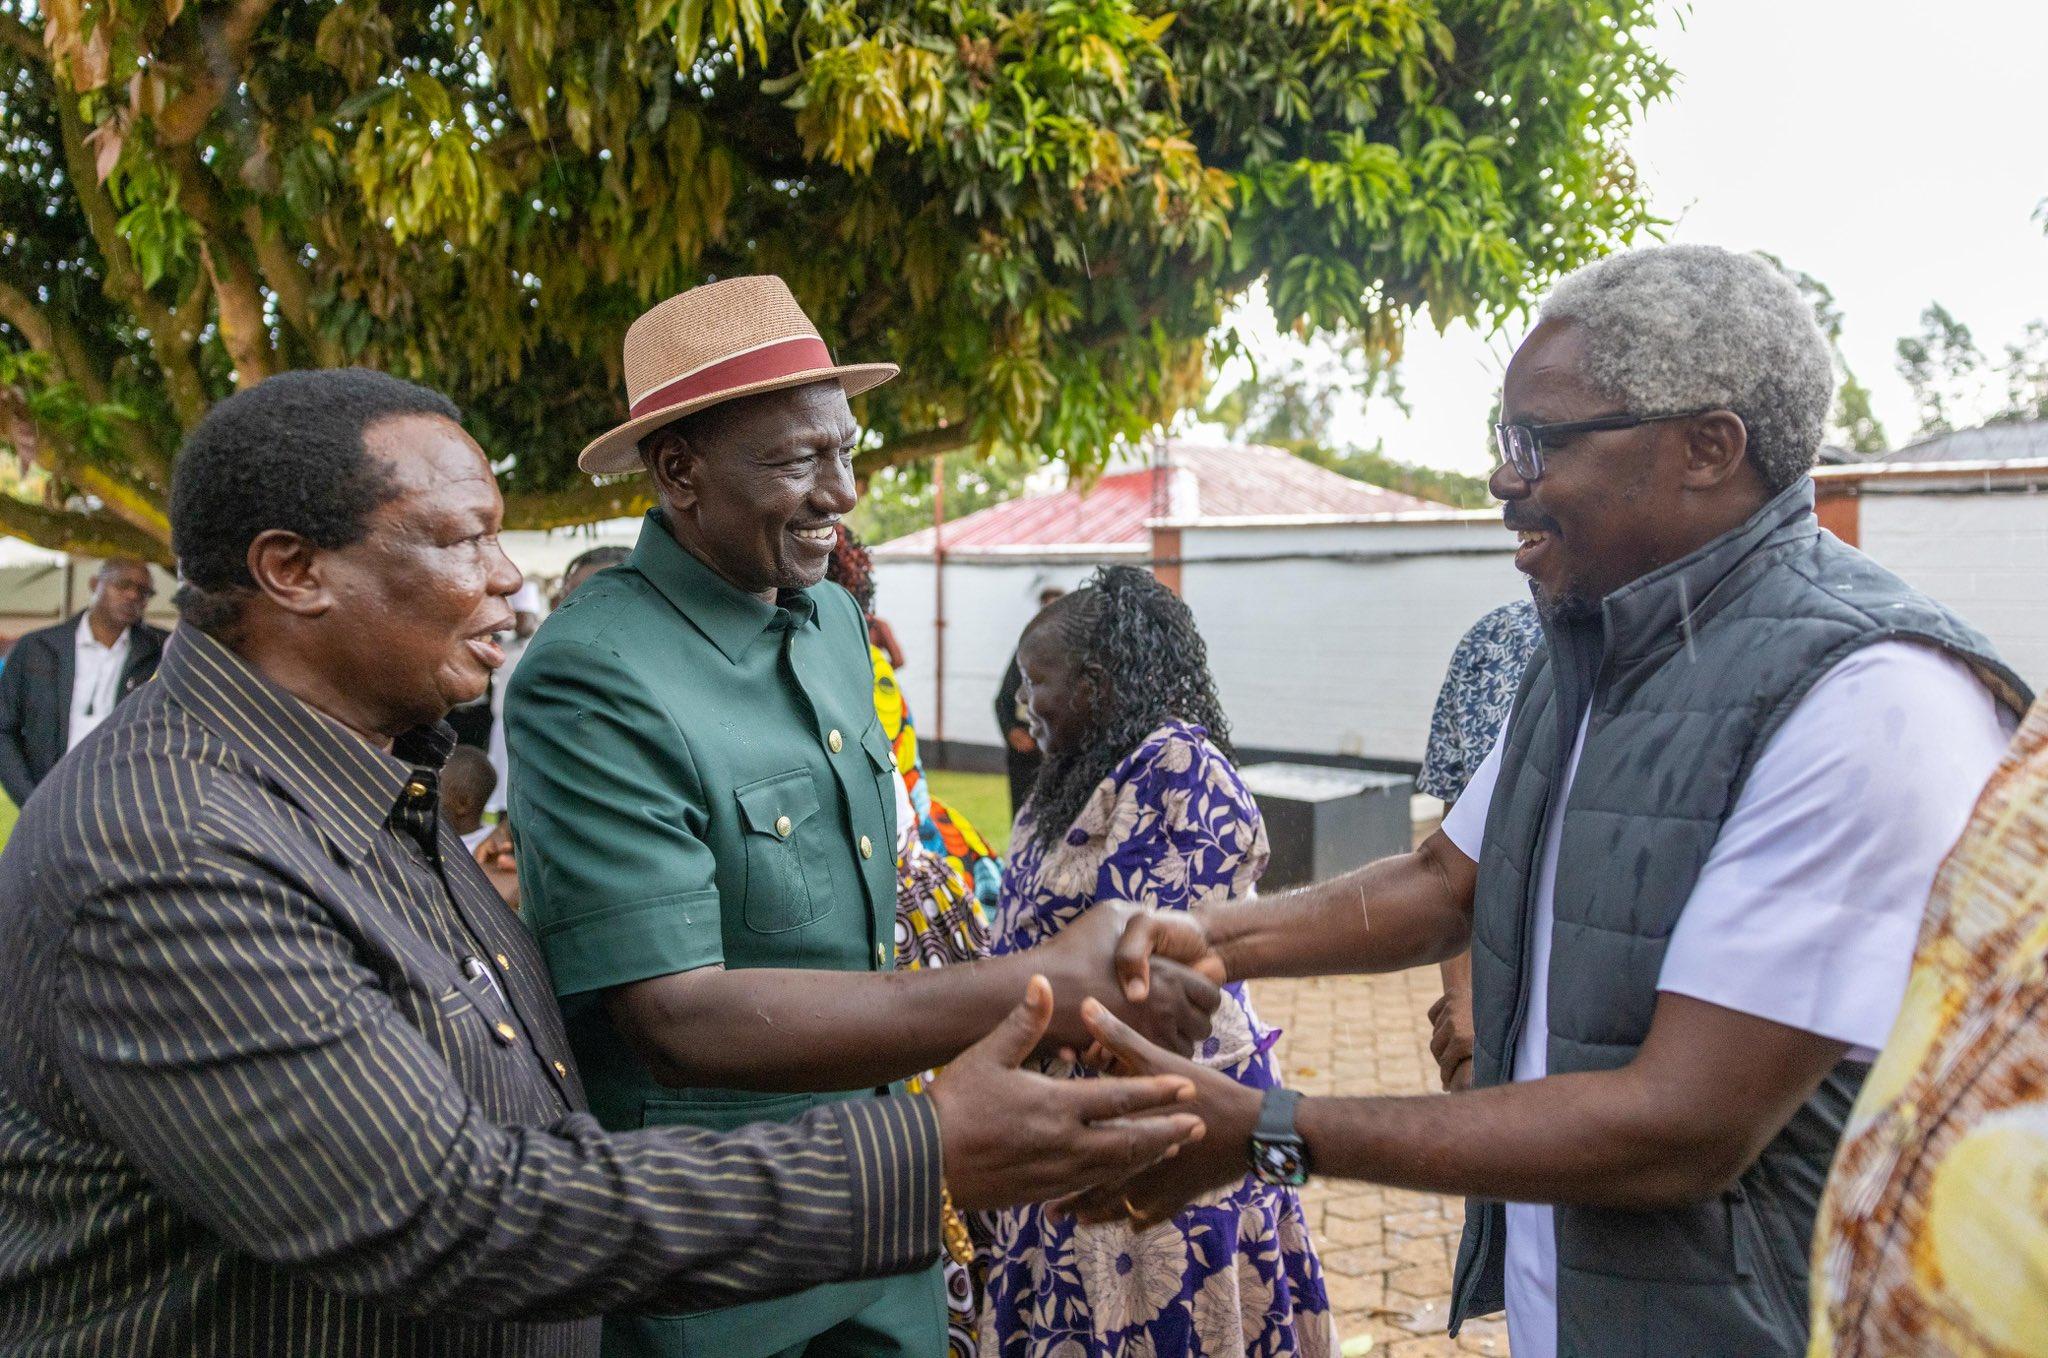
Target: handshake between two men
{"type": "Point", "coordinates": [1012, 1135]}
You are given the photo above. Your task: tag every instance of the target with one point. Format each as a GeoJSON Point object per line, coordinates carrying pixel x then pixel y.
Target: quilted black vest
{"type": "Point", "coordinates": [1688, 671]}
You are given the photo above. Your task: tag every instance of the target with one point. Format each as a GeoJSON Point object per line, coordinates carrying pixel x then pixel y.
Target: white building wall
{"type": "Point", "coordinates": [987, 605]}
{"type": "Point", "coordinates": [1984, 555]}
{"type": "Point", "coordinates": [1341, 652]}
{"type": "Point", "coordinates": [1332, 638]}
{"type": "Point", "coordinates": [1326, 639]}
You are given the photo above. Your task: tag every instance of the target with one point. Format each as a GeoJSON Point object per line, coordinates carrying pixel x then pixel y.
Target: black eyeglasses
{"type": "Point", "coordinates": [1521, 445]}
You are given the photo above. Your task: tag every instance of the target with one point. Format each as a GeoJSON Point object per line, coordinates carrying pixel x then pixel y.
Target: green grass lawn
{"type": "Point", "coordinates": [984, 798]}
{"type": "Point", "coordinates": [6, 820]}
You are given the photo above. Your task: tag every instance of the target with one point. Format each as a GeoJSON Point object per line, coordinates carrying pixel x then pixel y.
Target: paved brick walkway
{"type": "Point", "coordinates": [1388, 1253]}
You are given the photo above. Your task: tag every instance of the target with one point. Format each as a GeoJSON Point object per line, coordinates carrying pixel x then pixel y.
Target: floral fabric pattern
{"type": "Point", "coordinates": [1932, 1236]}
{"type": "Point", "coordinates": [1170, 828]}
{"type": "Point", "coordinates": [1478, 690]}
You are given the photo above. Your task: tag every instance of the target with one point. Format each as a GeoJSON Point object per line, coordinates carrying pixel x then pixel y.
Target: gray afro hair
{"type": "Point", "coordinates": [1686, 327]}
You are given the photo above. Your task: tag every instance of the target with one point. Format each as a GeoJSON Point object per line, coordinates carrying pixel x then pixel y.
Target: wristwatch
{"type": "Point", "coordinates": [1279, 1155]}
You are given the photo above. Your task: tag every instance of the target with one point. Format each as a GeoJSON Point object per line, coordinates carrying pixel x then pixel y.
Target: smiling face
{"type": "Point", "coordinates": [1610, 506]}
{"type": "Point", "coordinates": [411, 608]}
{"type": "Point", "coordinates": [755, 487]}
{"type": "Point", "coordinates": [1059, 692]}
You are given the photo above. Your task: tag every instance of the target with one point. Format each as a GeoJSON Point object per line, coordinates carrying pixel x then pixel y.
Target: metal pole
{"type": "Point", "coordinates": [939, 604]}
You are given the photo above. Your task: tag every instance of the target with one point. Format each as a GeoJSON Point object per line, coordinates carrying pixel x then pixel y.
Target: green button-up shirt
{"type": "Point", "coordinates": [699, 778]}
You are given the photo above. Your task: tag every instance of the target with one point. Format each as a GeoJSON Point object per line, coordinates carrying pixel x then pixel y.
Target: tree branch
{"type": "Point", "coordinates": [54, 335]}
{"type": "Point", "coordinates": [64, 530]}
{"type": "Point", "coordinates": [34, 324]}
{"type": "Point", "coordinates": [236, 290]}
{"type": "Point", "coordinates": [171, 337]}
{"type": "Point", "coordinates": [133, 504]}
{"type": "Point", "coordinates": [288, 280]}
{"type": "Point", "coordinates": [583, 504]}
{"type": "Point", "coordinates": [223, 46]}
{"type": "Point", "coordinates": [913, 448]}
{"type": "Point", "coordinates": [24, 40]}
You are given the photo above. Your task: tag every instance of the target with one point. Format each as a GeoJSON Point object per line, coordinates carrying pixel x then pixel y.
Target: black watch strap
{"type": "Point", "coordinates": [1279, 1155]}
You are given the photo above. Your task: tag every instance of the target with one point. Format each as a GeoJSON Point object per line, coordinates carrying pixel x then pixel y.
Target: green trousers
{"type": "Point", "coordinates": [898, 1318]}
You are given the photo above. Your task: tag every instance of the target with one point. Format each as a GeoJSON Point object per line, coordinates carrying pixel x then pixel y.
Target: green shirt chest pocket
{"type": "Point", "coordinates": [773, 812]}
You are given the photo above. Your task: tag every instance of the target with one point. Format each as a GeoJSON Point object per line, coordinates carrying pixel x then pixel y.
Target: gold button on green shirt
{"type": "Point", "coordinates": [677, 803]}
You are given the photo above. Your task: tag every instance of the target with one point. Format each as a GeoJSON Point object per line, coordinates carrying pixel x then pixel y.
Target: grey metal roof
{"type": "Point", "coordinates": [2013, 442]}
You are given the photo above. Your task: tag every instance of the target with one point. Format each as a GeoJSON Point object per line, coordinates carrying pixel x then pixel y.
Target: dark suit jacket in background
{"type": "Point", "coordinates": [280, 1075]}
{"type": "Point", "coordinates": [35, 698]}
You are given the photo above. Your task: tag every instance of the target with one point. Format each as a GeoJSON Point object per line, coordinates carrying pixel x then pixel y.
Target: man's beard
{"type": "Point", "coordinates": [1571, 606]}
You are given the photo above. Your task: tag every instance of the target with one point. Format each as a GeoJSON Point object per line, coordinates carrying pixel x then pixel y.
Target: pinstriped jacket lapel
{"type": "Point", "coordinates": [335, 776]}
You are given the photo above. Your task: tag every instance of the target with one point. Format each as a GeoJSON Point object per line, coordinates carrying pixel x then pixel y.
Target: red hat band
{"type": "Point", "coordinates": [769, 363]}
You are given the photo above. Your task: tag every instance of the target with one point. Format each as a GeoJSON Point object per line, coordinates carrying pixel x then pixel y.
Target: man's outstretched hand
{"type": "Point", "coordinates": [1153, 969]}
{"type": "Point", "coordinates": [1229, 1112]}
{"type": "Point", "coordinates": [1176, 935]}
{"type": "Point", "coordinates": [1012, 1136]}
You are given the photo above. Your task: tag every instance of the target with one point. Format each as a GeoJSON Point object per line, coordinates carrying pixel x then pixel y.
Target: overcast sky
{"type": "Point", "coordinates": [1896, 151]}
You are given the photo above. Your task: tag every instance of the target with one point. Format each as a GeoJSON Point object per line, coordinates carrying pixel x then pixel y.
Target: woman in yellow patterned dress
{"type": "Point", "coordinates": [1932, 1237]}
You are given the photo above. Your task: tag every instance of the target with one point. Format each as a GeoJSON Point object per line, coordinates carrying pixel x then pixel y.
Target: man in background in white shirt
{"type": "Point", "coordinates": [1691, 870]}
{"type": "Point", "coordinates": [60, 682]}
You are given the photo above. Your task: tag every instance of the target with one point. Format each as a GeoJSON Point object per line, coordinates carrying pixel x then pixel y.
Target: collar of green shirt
{"type": "Point", "coordinates": [732, 618]}
{"type": "Point", "coordinates": [347, 785]}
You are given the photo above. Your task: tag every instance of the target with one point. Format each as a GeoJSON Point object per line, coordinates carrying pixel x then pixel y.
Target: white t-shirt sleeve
{"type": "Point", "coordinates": [1465, 823]}
{"type": "Point", "coordinates": [1807, 909]}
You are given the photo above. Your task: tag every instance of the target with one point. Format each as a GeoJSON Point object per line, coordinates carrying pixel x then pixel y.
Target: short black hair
{"type": "Point", "coordinates": [467, 779]}
{"type": "Point", "coordinates": [286, 454]}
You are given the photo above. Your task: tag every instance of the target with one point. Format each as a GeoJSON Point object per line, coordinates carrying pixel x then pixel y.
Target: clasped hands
{"type": "Point", "coordinates": [1157, 954]}
{"type": "Point", "coordinates": [1228, 1110]}
{"type": "Point", "coordinates": [1142, 1142]}
{"type": "Point", "coordinates": [1152, 970]}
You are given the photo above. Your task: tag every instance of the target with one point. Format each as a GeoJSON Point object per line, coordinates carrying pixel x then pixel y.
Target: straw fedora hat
{"type": "Point", "coordinates": [736, 337]}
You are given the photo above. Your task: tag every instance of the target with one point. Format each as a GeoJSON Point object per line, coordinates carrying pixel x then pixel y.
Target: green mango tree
{"type": "Point", "coordinates": [1040, 208]}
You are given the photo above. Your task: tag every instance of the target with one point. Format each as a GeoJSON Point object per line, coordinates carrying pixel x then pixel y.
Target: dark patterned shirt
{"type": "Point", "coordinates": [1472, 706]}
{"type": "Point", "coordinates": [280, 1075]}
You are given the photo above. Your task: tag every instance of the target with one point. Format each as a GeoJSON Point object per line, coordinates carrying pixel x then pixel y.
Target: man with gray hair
{"type": "Point", "coordinates": [1692, 869]}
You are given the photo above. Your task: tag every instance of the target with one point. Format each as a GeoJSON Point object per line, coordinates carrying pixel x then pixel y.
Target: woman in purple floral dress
{"type": "Point", "coordinates": [1138, 801]}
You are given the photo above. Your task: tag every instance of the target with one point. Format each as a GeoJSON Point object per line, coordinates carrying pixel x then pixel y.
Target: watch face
{"type": "Point", "coordinates": [1279, 1162]}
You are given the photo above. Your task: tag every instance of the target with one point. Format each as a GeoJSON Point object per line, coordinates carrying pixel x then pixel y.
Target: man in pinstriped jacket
{"type": "Point", "coordinates": [279, 1075]}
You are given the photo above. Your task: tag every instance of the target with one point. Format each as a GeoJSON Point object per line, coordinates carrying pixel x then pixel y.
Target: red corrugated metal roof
{"type": "Point", "coordinates": [1194, 481]}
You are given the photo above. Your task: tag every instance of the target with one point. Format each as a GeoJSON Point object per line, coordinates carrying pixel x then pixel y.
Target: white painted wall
{"type": "Point", "coordinates": [1986, 556]}
{"type": "Point", "coordinates": [1311, 652]}
{"type": "Point", "coordinates": [1341, 656]}
{"type": "Point", "coordinates": [987, 605]}
{"type": "Point", "coordinates": [1332, 638]}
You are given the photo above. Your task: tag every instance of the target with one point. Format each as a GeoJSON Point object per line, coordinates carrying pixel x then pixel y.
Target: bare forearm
{"type": "Point", "coordinates": [1389, 915]}
{"type": "Point", "coordinates": [1582, 1139]}
{"type": "Point", "coordinates": [773, 1029]}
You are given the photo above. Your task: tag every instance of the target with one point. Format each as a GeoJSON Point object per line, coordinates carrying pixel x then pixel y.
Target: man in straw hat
{"type": "Point", "coordinates": [704, 805]}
